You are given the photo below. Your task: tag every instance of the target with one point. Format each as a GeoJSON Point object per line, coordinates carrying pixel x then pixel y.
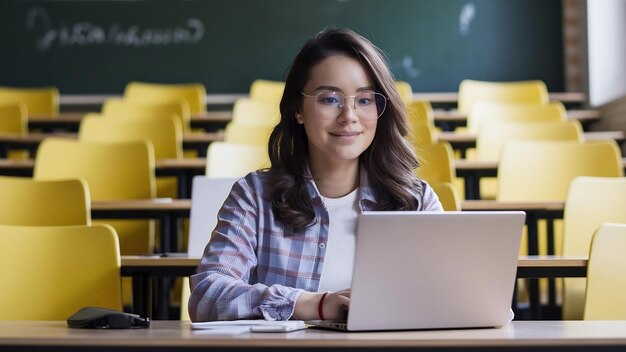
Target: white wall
{"type": "Point", "coordinates": [607, 50]}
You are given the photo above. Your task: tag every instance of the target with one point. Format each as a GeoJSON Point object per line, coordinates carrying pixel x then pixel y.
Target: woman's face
{"type": "Point", "coordinates": [337, 132]}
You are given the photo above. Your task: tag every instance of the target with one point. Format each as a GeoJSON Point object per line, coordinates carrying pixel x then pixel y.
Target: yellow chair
{"type": "Point", "coordinates": [247, 134]}
{"type": "Point", "coordinates": [122, 108]}
{"type": "Point", "coordinates": [405, 91]}
{"type": "Point", "coordinates": [421, 113]}
{"type": "Point", "coordinates": [38, 101]}
{"type": "Point", "coordinates": [235, 160]}
{"type": "Point", "coordinates": [486, 113]}
{"type": "Point", "coordinates": [164, 132]}
{"type": "Point", "coordinates": [421, 135]}
{"type": "Point", "coordinates": [591, 201]}
{"type": "Point", "coordinates": [255, 112]}
{"type": "Point", "coordinates": [494, 135]}
{"type": "Point", "coordinates": [535, 171]}
{"type": "Point", "coordinates": [113, 171]}
{"type": "Point", "coordinates": [543, 170]}
{"type": "Point", "coordinates": [28, 202]}
{"type": "Point", "coordinates": [193, 93]}
{"type": "Point", "coordinates": [437, 163]}
{"type": "Point", "coordinates": [448, 196]}
{"type": "Point", "coordinates": [268, 91]}
{"type": "Point", "coordinates": [421, 122]}
{"type": "Point", "coordinates": [606, 274]}
{"type": "Point", "coordinates": [519, 92]}
{"type": "Point", "coordinates": [13, 118]}
{"type": "Point", "coordinates": [50, 272]}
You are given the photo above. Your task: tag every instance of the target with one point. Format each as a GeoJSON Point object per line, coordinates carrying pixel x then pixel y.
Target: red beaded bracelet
{"type": "Point", "coordinates": [320, 306]}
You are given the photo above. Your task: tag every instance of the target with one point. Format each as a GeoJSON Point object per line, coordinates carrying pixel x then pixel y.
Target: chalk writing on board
{"type": "Point", "coordinates": [465, 18]}
{"type": "Point", "coordinates": [84, 33]}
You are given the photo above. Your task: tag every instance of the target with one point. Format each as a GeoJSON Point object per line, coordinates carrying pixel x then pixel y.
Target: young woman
{"type": "Point", "coordinates": [285, 240]}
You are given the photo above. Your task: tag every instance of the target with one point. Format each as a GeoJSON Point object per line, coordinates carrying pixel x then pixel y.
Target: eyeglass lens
{"type": "Point", "coordinates": [367, 105]}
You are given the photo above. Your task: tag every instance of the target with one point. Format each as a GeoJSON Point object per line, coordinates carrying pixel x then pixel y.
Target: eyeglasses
{"type": "Point", "coordinates": [368, 105]}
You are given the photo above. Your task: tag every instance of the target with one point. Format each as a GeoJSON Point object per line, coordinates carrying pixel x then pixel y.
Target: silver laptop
{"type": "Point", "coordinates": [420, 270]}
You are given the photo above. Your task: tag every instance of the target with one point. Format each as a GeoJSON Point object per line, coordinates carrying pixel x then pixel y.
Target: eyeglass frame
{"type": "Point", "coordinates": [350, 96]}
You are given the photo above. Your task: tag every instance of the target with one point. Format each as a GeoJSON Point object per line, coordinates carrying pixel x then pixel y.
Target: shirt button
{"type": "Point", "coordinates": [322, 245]}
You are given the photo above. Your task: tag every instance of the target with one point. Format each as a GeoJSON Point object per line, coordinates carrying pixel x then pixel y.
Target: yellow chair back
{"type": "Point", "coordinates": [29, 202]}
{"type": "Point", "coordinates": [405, 91]}
{"type": "Point", "coordinates": [255, 112]}
{"type": "Point", "coordinates": [247, 134]}
{"type": "Point", "coordinates": [113, 171]}
{"type": "Point", "coordinates": [493, 136]}
{"type": "Point", "coordinates": [437, 163]}
{"type": "Point", "coordinates": [235, 160]}
{"type": "Point", "coordinates": [50, 272]}
{"type": "Point", "coordinates": [268, 91]}
{"type": "Point", "coordinates": [13, 118]}
{"type": "Point", "coordinates": [606, 274]}
{"type": "Point", "coordinates": [486, 113]}
{"type": "Point", "coordinates": [420, 113]}
{"type": "Point", "coordinates": [591, 202]}
{"type": "Point", "coordinates": [519, 92]}
{"type": "Point", "coordinates": [421, 135]}
{"type": "Point", "coordinates": [448, 196]}
{"type": "Point", "coordinates": [193, 93]}
{"type": "Point", "coordinates": [165, 132]}
{"type": "Point", "coordinates": [121, 108]}
{"type": "Point", "coordinates": [38, 101]}
{"type": "Point", "coordinates": [543, 170]}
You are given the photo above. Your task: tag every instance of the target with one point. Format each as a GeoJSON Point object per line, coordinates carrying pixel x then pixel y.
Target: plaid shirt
{"type": "Point", "coordinates": [254, 267]}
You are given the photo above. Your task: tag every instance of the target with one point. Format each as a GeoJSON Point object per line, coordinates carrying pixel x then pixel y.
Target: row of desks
{"type": "Point", "coordinates": [178, 336]}
{"type": "Point", "coordinates": [144, 269]}
{"type": "Point", "coordinates": [528, 267]}
{"type": "Point", "coordinates": [185, 169]}
{"type": "Point", "coordinates": [200, 141]}
{"type": "Point", "coordinates": [169, 211]}
{"type": "Point", "coordinates": [447, 120]}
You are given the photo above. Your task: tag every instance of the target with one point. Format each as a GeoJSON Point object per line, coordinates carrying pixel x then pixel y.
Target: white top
{"type": "Point", "coordinates": [340, 247]}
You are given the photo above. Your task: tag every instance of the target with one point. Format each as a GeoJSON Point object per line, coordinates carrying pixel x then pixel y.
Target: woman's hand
{"type": "Point", "coordinates": [334, 307]}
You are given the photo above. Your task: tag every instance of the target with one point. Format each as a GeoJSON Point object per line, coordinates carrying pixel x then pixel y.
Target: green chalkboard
{"type": "Point", "coordinates": [96, 47]}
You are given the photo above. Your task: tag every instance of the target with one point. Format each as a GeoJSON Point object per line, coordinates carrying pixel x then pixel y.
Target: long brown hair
{"type": "Point", "coordinates": [389, 161]}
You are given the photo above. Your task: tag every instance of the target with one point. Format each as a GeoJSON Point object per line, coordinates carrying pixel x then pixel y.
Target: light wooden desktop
{"type": "Point", "coordinates": [178, 336]}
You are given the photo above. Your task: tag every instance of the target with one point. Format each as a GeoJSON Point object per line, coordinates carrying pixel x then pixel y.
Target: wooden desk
{"type": "Point", "coordinates": [72, 102]}
{"type": "Point", "coordinates": [166, 211]}
{"type": "Point", "coordinates": [533, 266]}
{"type": "Point", "coordinates": [453, 97]}
{"type": "Point", "coordinates": [193, 141]}
{"type": "Point", "coordinates": [473, 170]}
{"type": "Point", "coordinates": [448, 120]}
{"type": "Point", "coordinates": [464, 141]}
{"type": "Point", "coordinates": [177, 336]}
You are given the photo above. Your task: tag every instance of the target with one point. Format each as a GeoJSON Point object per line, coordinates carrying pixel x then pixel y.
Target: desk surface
{"type": "Point", "coordinates": [224, 99]}
{"type": "Point", "coordinates": [533, 261]}
{"type": "Point", "coordinates": [454, 137]}
{"type": "Point", "coordinates": [172, 334]}
{"type": "Point", "coordinates": [223, 116]}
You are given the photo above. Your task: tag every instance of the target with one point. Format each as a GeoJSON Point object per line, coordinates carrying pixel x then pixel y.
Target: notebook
{"type": "Point", "coordinates": [421, 270]}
